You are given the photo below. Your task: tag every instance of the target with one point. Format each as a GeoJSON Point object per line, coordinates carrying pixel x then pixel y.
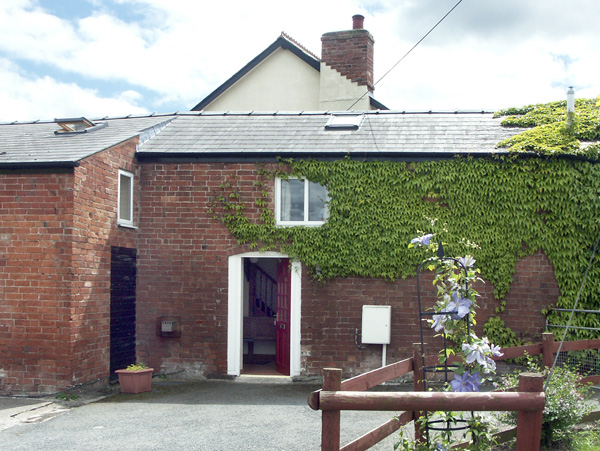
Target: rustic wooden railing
{"type": "Point", "coordinates": [337, 395]}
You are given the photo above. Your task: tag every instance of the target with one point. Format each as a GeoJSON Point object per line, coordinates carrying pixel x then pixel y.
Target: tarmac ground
{"type": "Point", "coordinates": [241, 414]}
{"type": "Point", "coordinates": [205, 415]}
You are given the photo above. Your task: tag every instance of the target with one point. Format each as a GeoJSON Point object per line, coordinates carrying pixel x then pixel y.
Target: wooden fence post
{"type": "Point", "coordinates": [330, 420]}
{"type": "Point", "coordinates": [418, 385]}
{"type": "Point", "coordinates": [529, 424]}
{"type": "Point", "coordinates": [547, 349]}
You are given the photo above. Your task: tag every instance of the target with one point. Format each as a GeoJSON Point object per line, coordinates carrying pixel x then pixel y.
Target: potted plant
{"type": "Point", "coordinates": [136, 378]}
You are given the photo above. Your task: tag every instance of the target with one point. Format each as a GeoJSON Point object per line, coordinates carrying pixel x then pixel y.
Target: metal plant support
{"type": "Point", "coordinates": [444, 368]}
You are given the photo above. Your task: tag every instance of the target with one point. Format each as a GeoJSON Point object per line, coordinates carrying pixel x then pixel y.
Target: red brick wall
{"type": "Point", "coordinates": [183, 271]}
{"type": "Point", "coordinates": [183, 266]}
{"type": "Point", "coordinates": [95, 231]}
{"type": "Point", "coordinates": [331, 313]}
{"type": "Point", "coordinates": [534, 287]}
{"type": "Point", "coordinates": [35, 259]}
{"type": "Point", "coordinates": [56, 230]}
{"type": "Point", "coordinates": [351, 54]}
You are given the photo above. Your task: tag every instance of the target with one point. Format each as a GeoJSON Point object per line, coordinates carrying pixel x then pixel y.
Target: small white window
{"type": "Point", "coordinates": [344, 121]}
{"type": "Point", "coordinates": [300, 202]}
{"type": "Point", "coordinates": [125, 203]}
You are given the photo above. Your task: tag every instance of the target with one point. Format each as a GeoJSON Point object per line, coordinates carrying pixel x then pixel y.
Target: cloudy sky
{"type": "Point", "coordinates": [95, 58]}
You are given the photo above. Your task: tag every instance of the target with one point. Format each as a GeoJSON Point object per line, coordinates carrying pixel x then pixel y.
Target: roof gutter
{"type": "Point", "coordinates": [40, 165]}
{"type": "Point", "coordinates": [252, 157]}
{"type": "Point", "coordinates": [215, 157]}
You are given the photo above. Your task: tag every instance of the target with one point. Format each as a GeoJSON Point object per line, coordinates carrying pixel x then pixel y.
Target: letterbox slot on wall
{"type": "Point", "coordinates": [168, 326]}
{"type": "Point", "coordinates": [376, 324]}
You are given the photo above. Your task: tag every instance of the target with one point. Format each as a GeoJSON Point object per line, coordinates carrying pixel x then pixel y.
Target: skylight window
{"type": "Point", "coordinates": [344, 121]}
{"type": "Point", "coordinates": [76, 125]}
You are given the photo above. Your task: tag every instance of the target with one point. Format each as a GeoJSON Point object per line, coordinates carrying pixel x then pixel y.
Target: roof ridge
{"type": "Point", "coordinates": [263, 113]}
{"type": "Point", "coordinates": [286, 36]}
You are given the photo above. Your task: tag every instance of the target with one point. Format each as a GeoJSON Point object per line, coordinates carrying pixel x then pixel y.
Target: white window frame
{"type": "Point", "coordinates": [124, 221]}
{"type": "Point", "coordinates": [278, 205]}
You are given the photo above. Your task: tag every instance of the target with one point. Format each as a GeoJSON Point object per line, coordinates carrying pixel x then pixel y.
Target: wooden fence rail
{"type": "Point", "coordinates": [337, 395]}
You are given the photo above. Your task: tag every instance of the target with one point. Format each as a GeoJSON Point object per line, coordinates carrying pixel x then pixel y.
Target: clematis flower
{"type": "Point", "coordinates": [475, 352]}
{"type": "Point", "coordinates": [490, 364]}
{"type": "Point", "coordinates": [439, 322]}
{"type": "Point", "coordinates": [495, 350]}
{"type": "Point", "coordinates": [475, 381]}
{"type": "Point", "coordinates": [480, 351]}
{"type": "Point", "coordinates": [467, 261]}
{"type": "Point", "coordinates": [460, 305]}
{"type": "Point", "coordinates": [423, 240]}
{"type": "Point", "coordinates": [466, 382]}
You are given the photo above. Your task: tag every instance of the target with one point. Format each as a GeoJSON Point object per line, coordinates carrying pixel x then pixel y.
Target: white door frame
{"type": "Point", "coordinates": [235, 314]}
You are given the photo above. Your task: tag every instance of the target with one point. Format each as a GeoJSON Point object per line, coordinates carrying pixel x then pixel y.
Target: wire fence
{"type": "Point", "coordinates": [586, 363]}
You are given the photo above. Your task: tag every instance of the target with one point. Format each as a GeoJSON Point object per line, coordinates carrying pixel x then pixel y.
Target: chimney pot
{"type": "Point", "coordinates": [358, 22]}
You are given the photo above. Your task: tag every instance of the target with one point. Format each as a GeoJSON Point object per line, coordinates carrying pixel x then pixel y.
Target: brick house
{"type": "Point", "coordinates": [110, 250]}
{"type": "Point", "coordinates": [59, 197]}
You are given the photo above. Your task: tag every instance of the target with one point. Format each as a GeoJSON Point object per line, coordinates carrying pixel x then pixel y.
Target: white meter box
{"type": "Point", "coordinates": [376, 324]}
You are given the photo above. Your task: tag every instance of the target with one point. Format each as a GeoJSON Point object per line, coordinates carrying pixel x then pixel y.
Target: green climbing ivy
{"type": "Point", "coordinates": [510, 206]}
{"type": "Point", "coordinates": [550, 133]}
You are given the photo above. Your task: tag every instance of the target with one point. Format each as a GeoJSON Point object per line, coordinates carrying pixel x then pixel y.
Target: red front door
{"type": "Point", "coordinates": [282, 323]}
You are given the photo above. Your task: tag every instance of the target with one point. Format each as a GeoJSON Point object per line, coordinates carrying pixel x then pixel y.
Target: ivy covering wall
{"type": "Point", "coordinates": [510, 206]}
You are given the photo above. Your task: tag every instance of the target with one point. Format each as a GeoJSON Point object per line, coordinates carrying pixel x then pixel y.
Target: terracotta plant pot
{"type": "Point", "coordinates": [135, 381]}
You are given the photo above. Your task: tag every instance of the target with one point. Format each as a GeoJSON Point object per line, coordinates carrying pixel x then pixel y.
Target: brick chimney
{"type": "Point", "coordinates": [350, 52]}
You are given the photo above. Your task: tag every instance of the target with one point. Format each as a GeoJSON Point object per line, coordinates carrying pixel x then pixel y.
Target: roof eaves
{"type": "Point", "coordinates": [267, 156]}
{"type": "Point", "coordinates": [20, 165]}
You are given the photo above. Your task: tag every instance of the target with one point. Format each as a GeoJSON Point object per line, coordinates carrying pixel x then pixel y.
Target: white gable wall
{"type": "Point", "coordinates": [281, 82]}
{"type": "Point", "coordinates": [338, 93]}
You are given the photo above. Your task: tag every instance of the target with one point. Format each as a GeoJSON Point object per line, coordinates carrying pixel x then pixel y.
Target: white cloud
{"type": "Point", "coordinates": [45, 98]}
{"type": "Point", "coordinates": [484, 55]}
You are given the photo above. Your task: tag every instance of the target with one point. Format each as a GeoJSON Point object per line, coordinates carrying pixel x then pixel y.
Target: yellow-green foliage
{"type": "Point", "coordinates": [551, 134]}
{"type": "Point", "coordinates": [510, 206]}
{"type": "Point", "coordinates": [137, 366]}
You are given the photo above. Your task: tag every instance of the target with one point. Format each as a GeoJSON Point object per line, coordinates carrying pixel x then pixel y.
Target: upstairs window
{"type": "Point", "coordinates": [300, 202]}
{"type": "Point", "coordinates": [125, 204]}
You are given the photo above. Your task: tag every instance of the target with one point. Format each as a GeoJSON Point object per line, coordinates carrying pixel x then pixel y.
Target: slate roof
{"type": "Point", "coordinates": [381, 133]}
{"type": "Point", "coordinates": [260, 136]}
{"type": "Point", "coordinates": [36, 144]}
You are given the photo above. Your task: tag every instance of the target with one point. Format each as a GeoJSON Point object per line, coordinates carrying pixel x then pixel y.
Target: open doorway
{"type": "Point", "coordinates": [264, 315]}
{"type": "Point", "coordinates": [266, 325]}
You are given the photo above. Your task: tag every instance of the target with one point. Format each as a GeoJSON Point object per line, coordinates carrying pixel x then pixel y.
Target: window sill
{"type": "Point", "coordinates": [127, 226]}
{"type": "Point", "coordinates": [300, 224]}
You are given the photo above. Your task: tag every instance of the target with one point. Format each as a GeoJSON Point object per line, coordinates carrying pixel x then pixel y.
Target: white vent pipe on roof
{"type": "Point", "coordinates": [570, 105]}
{"type": "Point", "coordinates": [570, 100]}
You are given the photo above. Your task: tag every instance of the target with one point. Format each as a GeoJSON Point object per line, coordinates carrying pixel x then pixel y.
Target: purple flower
{"type": "Point", "coordinates": [496, 351]}
{"type": "Point", "coordinates": [466, 382]}
{"type": "Point", "coordinates": [439, 322]}
{"type": "Point", "coordinates": [459, 305]}
{"type": "Point", "coordinates": [440, 447]}
{"type": "Point", "coordinates": [423, 240]}
{"type": "Point", "coordinates": [475, 380]}
{"type": "Point", "coordinates": [480, 351]}
{"type": "Point", "coordinates": [475, 352]}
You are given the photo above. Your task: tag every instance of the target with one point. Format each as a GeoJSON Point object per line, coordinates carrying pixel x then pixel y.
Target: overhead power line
{"type": "Point", "coordinates": [412, 48]}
